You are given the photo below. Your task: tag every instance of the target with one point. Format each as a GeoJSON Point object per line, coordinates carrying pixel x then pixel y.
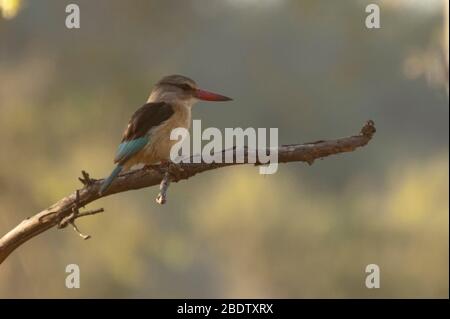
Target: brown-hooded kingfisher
{"type": "Point", "coordinates": [146, 140]}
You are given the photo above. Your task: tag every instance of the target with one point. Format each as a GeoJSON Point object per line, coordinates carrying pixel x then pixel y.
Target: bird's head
{"type": "Point", "coordinates": [181, 89]}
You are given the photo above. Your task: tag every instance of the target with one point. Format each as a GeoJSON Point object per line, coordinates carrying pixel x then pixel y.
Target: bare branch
{"type": "Point", "coordinates": [65, 211]}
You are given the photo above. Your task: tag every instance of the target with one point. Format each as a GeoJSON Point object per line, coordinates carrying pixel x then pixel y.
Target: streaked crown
{"type": "Point", "coordinates": [179, 81]}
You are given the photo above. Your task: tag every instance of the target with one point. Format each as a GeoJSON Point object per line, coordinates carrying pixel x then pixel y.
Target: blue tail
{"type": "Point", "coordinates": [107, 182]}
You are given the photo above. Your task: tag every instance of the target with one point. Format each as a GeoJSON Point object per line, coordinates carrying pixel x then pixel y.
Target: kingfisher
{"type": "Point", "coordinates": [146, 139]}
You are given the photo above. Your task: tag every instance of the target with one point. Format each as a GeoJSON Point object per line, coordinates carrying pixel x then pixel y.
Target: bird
{"type": "Point", "coordinates": [146, 139]}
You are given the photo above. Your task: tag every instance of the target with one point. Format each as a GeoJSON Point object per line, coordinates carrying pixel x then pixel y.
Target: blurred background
{"type": "Point", "coordinates": [310, 68]}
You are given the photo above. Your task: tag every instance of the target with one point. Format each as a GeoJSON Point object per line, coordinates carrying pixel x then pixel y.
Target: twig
{"type": "Point", "coordinates": [165, 182]}
{"type": "Point", "coordinates": [70, 219]}
{"type": "Point", "coordinates": [86, 180]}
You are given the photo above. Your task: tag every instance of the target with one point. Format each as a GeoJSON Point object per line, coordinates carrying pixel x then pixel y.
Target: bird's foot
{"type": "Point", "coordinates": [175, 171]}
{"type": "Point", "coordinates": [154, 167]}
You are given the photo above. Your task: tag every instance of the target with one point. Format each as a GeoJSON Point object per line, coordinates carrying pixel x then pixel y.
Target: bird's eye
{"type": "Point", "coordinates": [185, 87]}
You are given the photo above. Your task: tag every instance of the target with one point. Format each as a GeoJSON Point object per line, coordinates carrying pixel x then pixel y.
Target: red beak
{"type": "Point", "coordinates": [209, 96]}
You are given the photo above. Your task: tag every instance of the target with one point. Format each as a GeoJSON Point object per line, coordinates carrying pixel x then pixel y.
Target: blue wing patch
{"type": "Point", "coordinates": [128, 148]}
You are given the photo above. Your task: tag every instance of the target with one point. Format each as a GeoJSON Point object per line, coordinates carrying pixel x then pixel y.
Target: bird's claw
{"type": "Point", "coordinates": [174, 171]}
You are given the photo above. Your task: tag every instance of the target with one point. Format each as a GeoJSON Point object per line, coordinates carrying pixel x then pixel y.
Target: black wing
{"type": "Point", "coordinates": [146, 117]}
{"type": "Point", "coordinates": [135, 136]}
